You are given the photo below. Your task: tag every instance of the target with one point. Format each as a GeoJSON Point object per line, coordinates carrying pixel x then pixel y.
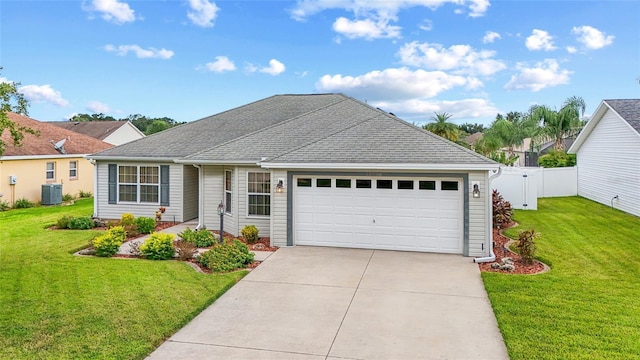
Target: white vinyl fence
{"type": "Point", "coordinates": [523, 186]}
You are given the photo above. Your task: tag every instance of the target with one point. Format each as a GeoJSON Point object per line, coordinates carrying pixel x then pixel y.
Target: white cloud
{"type": "Point", "coordinates": [372, 18]}
{"type": "Point", "coordinates": [221, 65]}
{"type": "Point", "coordinates": [591, 37]}
{"type": "Point", "coordinates": [490, 36]}
{"type": "Point", "coordinates": [68, 117]}
{"type": "Point", "coordinates": [394, 83]}
{"type": "Point", "coordinates": [150, 53]}
{"type": "Point", "coordinates": [540, 40]}
{"type": "Point", "coordinates": [426, 25]}
{"type": "Point", "coordinates": [461, 59]}
{"type": "Point", "coordinates": [420, 110]}
{"type": "Point", "coordinates": [572, 49]}
{"type": "Point", "coordinates": [275, 68]}
{"type": "Point", "coordinates": [43, 94]}
{"type": "Point", "coordinates": [98, 107]}
{"type": "Point", "coordinates": [112, 10]}
{"type": "Point", "coordinates": [542, 75]}
{"type": "Point", "coordinates": [367, 28]}
{"type": "Point", "coordinates": [203, 12]}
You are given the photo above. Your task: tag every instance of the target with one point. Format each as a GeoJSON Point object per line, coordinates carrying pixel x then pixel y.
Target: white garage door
{"type": "Point", "coordinates": [415, 214]}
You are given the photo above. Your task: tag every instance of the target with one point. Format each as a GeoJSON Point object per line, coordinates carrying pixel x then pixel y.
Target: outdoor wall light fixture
{"type": "Point", "coordinates": [476, 190]}
{"type": "Point", "coordinates": [280, 186]}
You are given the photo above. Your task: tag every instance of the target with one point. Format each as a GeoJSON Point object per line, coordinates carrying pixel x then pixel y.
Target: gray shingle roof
{"type": "Point", "coordinates": [629, 109]}
{"type": "Point", "coordinates": [96, 129]}
{"type": "Point", "coordinates": [331, 128]}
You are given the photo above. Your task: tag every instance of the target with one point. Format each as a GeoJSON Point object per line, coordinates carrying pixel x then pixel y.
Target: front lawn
{"type": "Point", "coordinates": [56, 305]}
{"type": "Point", "coordinates": [588, 305]}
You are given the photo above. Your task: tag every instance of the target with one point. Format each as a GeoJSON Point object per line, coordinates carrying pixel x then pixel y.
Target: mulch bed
{"type": "Point", "coordinates": [501, 251]}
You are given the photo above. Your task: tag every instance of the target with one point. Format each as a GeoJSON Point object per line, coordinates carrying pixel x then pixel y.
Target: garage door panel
{"type": "Point", "coordinates": [401, 219]}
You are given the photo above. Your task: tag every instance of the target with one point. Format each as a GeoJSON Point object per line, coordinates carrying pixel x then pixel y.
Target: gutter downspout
{"type": "Point", "coordinates": [492, 255]}
{"type": "Point", "coordinates": [200, 197]}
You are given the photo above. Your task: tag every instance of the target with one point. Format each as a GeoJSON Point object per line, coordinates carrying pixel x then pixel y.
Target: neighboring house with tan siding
{"type": "Point", "coordinates": [39, 161]}
{"type": "Point", "coordinates": [322, 170]}
{"type": "Point", "coordinates": [112, 132]}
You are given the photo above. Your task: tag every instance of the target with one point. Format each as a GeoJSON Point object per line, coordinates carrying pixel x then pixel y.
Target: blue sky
{"type": "Point", "coordinates": [187, 59]}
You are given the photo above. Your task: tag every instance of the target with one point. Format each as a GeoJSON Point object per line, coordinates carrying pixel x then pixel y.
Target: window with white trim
{"type": "Point", "coordinates": [258, 194]}
{"type": "Point", "coordinates": [227, 191]}
{"type": "Point", "coordinates": [140, 184]}
{"type": "Point", "coordinates": [51, 171]}
{"type": "Point", "coordinates": [73, 169]}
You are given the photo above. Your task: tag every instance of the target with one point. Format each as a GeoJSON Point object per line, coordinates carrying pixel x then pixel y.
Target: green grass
{"type": "Point", "coordinates": [56, 305]}
{"type": "Point", "coordinates": [588, 305]}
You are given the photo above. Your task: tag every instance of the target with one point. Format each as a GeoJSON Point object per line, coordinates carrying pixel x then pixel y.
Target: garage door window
{"type": "Point", "coordinates": [427, 185]}
{"type": "Point", "coordinates": [450, 185]}
{"type": "Point", "coordinates": [363, 184]}
{"type": "Point", "coordinates": [343, 183]}
{"type": "Point", "coordinates": [259, 196]}
{"type": "Point", "coordinates": [323, 183]}
{"type": "Point", "coordinates": [304, 182]}
{"type": "Point", "coordinates": [384, 184]}
{"type": "Point", "coordinates": [405, 184]}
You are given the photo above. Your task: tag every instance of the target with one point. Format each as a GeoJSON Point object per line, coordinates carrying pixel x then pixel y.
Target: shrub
{"type": "Point", "coordinates": [127, 219]}
{"type": "Point", "coordinates": [250, 233]}
{"type": "Point", "coordinates": [526, 245]}
{"type": "Point", "coordinates": [63, 222]}
{"type": "Point", "coordinates": [23, 204]}
{"type": "Point", "coordinates": [159, 246]}
{"type": "Point", "coordinates": [200, 238]}
{"type": "Point", "coordinates": [4, 206]}
{"type": "Point", "coordinates": [145, 225]}
{"type": "Point", "coordinates": [67, 197]}
{"type": "Point", "coordinates": [502, 211]}
{"type": "Point", "coordinates": [228, 256]}
{"type": "Point", "coordinates": [108, 244]}
{"type": "Point", "coordinates": [185, 250]}
{"type": "Point", "coordinates": [84, 194]}
{"type": "Point", "coordinates": [80, 223]}
{"type": "Point", "coordinates": [556, 158]}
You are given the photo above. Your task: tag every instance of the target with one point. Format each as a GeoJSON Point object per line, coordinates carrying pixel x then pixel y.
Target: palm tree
{"type": "Point", "coordinates": [512, 130]}
{"type": "Point", "coordinates": [442, 127]}
{"type": "Point", "coordinates": [559, 124]}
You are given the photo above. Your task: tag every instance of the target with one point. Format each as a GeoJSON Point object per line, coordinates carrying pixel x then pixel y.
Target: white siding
{"type": "Point", "coordinates": [190, 191]}
{"type": "Point", "coordinates": [261, 222]}
{"type": "Point", "coordinates": [124, 134]}
{"type": "Point", "coordinates": [479, 225]}
{"type": "Point", "coordinates": [213, 192]}
{"type": "Point", "coordinates": [105, 210]}
{"type": "Point", "coordinates": [608, 164]}
{"type": "Point", "coordinates": [278, 224]}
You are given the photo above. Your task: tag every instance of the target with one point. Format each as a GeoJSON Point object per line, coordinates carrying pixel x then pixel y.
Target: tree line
{"type": "Point", "coordinates": [541, 123]}
{"type": "Point", "coordinates": [145, 124]}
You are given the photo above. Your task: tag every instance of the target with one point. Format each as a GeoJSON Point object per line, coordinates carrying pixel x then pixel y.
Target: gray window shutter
{"type": "Point", "coordinates": [164, 185]}
{"type": "Point", "coordinates": [113, 183]}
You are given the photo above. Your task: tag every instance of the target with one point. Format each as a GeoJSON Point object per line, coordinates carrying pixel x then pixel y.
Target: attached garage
{"type": "Point", "coordinates": [391, 213]}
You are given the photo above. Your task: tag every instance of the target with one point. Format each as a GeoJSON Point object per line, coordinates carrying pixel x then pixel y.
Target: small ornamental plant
{"type": "Point", "coordinates": [145, 225]}
{"type": "Point", "coordinates": [250, 233]}
{"type": "Point", "coordinates": [127, 219]}
{"type": "Point", "coordinates": [526, 245]}
{"type": "Point", "coordinates": [228, 256]}
{"type": "Point", "coordinates": [200, 238]}
{"type": "Point", "coordinates": [159, 246]}
{"type": "Point", "coordinates": [108, 244]}
{"type": "Point", "coordinates": [502, 211]}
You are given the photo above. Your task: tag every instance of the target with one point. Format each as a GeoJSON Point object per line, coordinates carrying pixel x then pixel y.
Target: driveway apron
{"type": "Point", "coordinates": [330, 303]}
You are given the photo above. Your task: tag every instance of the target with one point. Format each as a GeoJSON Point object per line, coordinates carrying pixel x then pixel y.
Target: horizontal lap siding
{"type": "Point", "coordinates": [608, 164]}
{"type": "Point", "coordinates": [262, 223]}
{"type": "Point", "coordinates": [479, 216]}
{"type": "Point", "coordinates": [105, 210]}
{"type": "Point", "coordinates": [279, 211]}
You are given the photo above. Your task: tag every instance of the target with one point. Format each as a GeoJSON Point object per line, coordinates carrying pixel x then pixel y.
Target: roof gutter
{"type": "Point", "coordinates": [492, 255]}
{"type": "Point", "coordinates": [380, 166]}
{"type": "Point", "coordinates": [215, 162]}
{"type": "Point", "coordinates": [130, 158]}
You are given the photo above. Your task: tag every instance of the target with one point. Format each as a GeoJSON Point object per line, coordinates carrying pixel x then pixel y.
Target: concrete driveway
{"type": "Point", "coordinates": [329, 303]}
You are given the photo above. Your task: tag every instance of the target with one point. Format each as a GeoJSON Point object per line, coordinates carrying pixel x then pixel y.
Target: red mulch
{"type": "Point", "coordinates": [501, 251]}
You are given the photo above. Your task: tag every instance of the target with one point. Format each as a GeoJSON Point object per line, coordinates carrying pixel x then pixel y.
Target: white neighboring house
{"type": "Point", "coordinates": [111, 132]}
{"type": "Point", "coordinates": [607, 153]}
